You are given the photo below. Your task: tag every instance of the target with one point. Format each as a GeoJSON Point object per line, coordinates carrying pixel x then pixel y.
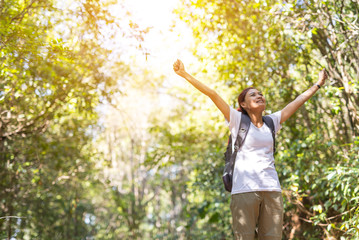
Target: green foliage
{"type": "Point", "coordinates": [50, 86]}
{"type": "Point", "coordinates": [65, 175]}
{"type": "Point", "coordinates": [325, 190]}
{"type": "Point", "coordinates": [206, 209]}
{"type": "Point", "coordinates": [277, 46]}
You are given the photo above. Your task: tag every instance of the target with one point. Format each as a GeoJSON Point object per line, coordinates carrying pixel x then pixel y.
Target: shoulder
{"type": "Point", "coordinates": [235, 119]}
{"type": "Point", "coordinates": [276, 116]}
{"type": "Point", "coordinates": [235, 113]}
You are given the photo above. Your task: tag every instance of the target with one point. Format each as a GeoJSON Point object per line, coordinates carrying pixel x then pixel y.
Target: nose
{"type": "Point", "coordinates": [260, 98]}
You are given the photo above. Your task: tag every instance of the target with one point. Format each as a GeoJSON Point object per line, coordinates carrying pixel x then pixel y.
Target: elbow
{"type": "Point", "coordinates": [212, 93]}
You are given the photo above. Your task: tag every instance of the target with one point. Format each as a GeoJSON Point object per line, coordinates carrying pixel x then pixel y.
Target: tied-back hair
{"type": "Point", "coordinates": [241, 97]}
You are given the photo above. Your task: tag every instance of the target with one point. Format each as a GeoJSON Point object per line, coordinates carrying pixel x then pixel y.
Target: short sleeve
{"type": "Point", "coordinates": [235, 120]}
{"type": "Point", "coordinates": [276, 119]}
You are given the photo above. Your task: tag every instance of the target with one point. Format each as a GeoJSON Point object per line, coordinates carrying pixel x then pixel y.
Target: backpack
{"type": "Point", "coordinates": [230, 156]}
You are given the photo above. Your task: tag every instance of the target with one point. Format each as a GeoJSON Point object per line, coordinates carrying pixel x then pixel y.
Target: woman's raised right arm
{"type": "Point", "coordinates": [178, 67]}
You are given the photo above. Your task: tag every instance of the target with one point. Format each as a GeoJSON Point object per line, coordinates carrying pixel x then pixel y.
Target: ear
{"type": "Point", "coordinates": [243, 105]}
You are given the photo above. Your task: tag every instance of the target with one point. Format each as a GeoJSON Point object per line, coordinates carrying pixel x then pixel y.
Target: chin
{"type": "Point", "coordinates": [262, 108]}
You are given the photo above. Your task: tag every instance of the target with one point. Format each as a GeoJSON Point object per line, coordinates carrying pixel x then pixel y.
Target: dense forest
{"type": "Point", "coordinates": [94, 146]}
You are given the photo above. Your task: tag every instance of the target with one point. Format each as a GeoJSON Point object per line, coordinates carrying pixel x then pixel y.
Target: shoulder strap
{"type": "Point", "coordinates": [269, 121]}
{"type": "Point", "coordinates": [241, 136]}
{"type": "Point", "coordinates": [242, 131]}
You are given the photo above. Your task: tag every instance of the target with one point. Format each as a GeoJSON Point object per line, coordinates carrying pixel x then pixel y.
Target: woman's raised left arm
{"type": "Point", "coordinates": [292, 107]}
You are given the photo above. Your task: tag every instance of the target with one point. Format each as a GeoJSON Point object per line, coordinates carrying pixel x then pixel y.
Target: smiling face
{"type": "Point", "coordinates": [254, 101]}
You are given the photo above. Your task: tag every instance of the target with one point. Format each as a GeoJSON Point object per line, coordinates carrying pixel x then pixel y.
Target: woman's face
{"type": "Point", "coordinates": [254, 100]}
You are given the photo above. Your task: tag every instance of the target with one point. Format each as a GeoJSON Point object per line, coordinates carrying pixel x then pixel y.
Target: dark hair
{"type": "Point", "coordinates": [241, 97]}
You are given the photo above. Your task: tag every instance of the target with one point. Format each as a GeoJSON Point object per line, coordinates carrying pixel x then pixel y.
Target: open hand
{"type": "Point", "coordinates": [323, 75]}
{"type": "Point", "coordinates": [178, 67]}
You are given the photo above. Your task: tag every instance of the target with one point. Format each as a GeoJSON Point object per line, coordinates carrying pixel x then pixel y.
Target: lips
{"type": "Point", "coordinates": [260, 101]}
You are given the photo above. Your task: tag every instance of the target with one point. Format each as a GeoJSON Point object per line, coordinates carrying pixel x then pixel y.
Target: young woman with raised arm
{"type": "Point", "coordinates": [256, 199]}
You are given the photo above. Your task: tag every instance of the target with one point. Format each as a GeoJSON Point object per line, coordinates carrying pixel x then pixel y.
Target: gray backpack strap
{"type": "Point", "coordinates": [269, 121]}
{"type": "Point", "coordinates": [241, 136]}
{"type": "Point", "coordinates": [227, 176]}
{"type": "Point", "coordinates": [242, 131]}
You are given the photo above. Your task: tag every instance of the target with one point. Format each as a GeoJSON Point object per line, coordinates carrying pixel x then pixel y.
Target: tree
{"type": "Point", "coordinates": [262, 43]}
{"type": "Point", "coordinates": [52, 79]}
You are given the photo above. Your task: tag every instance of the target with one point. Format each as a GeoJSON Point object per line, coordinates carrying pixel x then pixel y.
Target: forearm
{"type": "Point", "coordinates": [302, 98]}
{"type": "Point", "coordinates": [217, 100]}
{"type": "Point", "coordinates": [200, 86]}
{"type": "Point", "coordinates": [292, 107]}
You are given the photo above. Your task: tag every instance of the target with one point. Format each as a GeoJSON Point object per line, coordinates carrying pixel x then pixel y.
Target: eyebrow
{"type": "Point", "coordinates": [255, 92]}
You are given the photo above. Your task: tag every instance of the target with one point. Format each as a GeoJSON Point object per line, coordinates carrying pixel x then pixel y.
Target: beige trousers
{"type": "Point", "coordinates": [262, 208]}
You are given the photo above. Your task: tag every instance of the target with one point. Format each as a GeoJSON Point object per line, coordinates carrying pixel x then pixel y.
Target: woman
{"type": "Point", "coordinates": [256, 197]}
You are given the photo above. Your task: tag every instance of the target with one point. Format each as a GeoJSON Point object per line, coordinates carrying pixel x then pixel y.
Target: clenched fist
{"type": "Point", "coordinates": [323, 75]}
{"type": "Point", "coordinates": [178, 67]}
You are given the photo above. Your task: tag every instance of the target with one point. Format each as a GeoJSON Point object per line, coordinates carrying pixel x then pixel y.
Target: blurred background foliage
{"type": "Point", "coordinates": [89, 150]}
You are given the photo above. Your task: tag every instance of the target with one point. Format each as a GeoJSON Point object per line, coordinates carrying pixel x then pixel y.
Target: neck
{"type": "Point", "coordinates": [256, 118]}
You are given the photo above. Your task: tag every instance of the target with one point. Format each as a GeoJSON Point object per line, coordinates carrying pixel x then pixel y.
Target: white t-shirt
{"type": "Point", "coordinates": [254, 168]}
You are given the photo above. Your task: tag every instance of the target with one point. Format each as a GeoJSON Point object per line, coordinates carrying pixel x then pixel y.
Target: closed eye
{"type": "Point", "coordinates": [253, 94]}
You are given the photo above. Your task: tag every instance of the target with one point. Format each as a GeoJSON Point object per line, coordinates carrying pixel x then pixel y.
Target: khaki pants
{"type": "Point", "coordinates": [262, 208]}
